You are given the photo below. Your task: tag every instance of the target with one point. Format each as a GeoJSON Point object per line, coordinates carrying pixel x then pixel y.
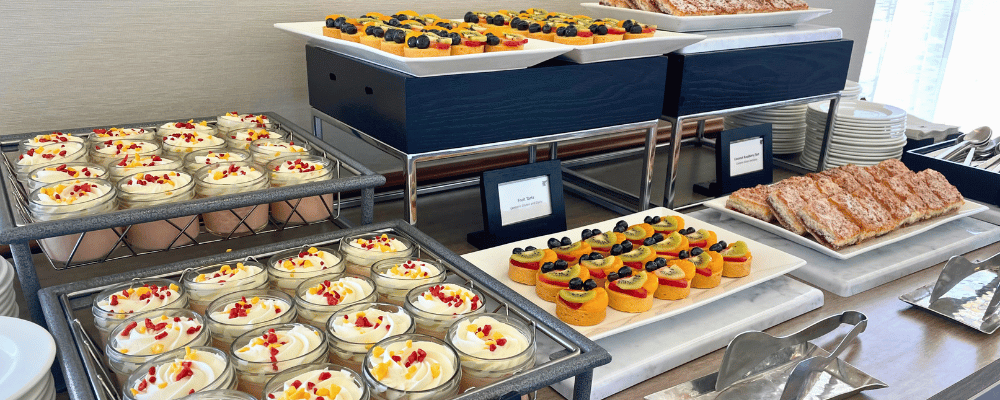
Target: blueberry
{"type": "Point", "coordinates": [378, 32]}
{"type": "Point", "coordinates": [522, 12]}
{"type": "Point", "coordinates": [492, 40]}
{"type": "Point", "coordinates": [566, 241]}
{"type": "Point", "coordinates": [613, 276]}
{"type": "Point", "coordinates": [603, 30]}
{"type": "Point", "coordinates": [518, 250]}
{"type": "Point", "coordinates": [553, 243]}
{"type": "Point", "coordinates": [576, 284]}
{"type": "Point", "coordinates": [498, 20]}
{"type": "Point", "coordinates": [548, 267]}
{"type": "Point", "coordinates": [696, 251]}
{"type": "Point", "coordinates": [524, 25]}
{"type": "Point", "coordinates": [620, 229]}
{"type": "Point", "coordinates": [468, 15]}
{"type": "Point", "coordinates": [584, 257]}
{"type": "Point", "coordinates": [534, 28]}
{"type": "Point", "coordinates": [658, 237]}
{"type": "Point", "coordinates": [715, 247]}
{"type": "Point", "coordinates": [683, 254]}
{"type": "Point", "coordinates": [546, 29]}
{"type": "Point", "coordinates": [561, 31]}
{"type": "Point", "coordinates": [651, 266]}
{"type": "Point", "coordinates": [571, 31]}
{"type": "Point", "coordinates": [593, 28]}
{"type": "Point", "coordinates": [530, 248]}
{"type": "Point", "coordinates": [400, 37]}
{"type": "Point", "coordinates": [515, 22]}
{"type": "Point", "coordinates": [471, 18]}
{"type": "Point", "coordinates": [635, 29]}
{"type": "Point", "coordinates": [368, 30]}
{"type": "Point", "coordinates": [337, 23]}
{"type": "Point", "coordinates": [456, 39]}
{"type": "Point", "coordinates": [561, 264]}
{"type": "Point", "coordinates": [402, 17]}
{"type": "Point", "coordinates": [621, 223]}
{"type": "Point", "coordinates": [649, 241]}
{"type": "Point", "coordinates": [596, 256]}
{"type": "Point", "coordinates": [616, 250]}
{"type": "Point", "coordinates": [589, 284]}
{"type": "Point", "coordinates": [627, 24]}
{"type": "Point", "coordinates": [595, 231]}
{"type": "Point", "coordinates": [690, 230]}
{"type": "Point", "coordinates": [627, 246]}
{"type": "Point", "coordinates": [586, 234]}
{"type": "Point", "coordinates": [660, 261]}
{"type": "Point", "coordinates": [423, 42]}
{"type": "Point", "coordinates": [412, 42]}
{"type": "Point", "coordinates": [349, 29]}
{"type": "Point", "coordinates": [723, 244]}
{"type": "Point", "coordinates": [330, 23]}
{"type": "Point", "coordinates": [648, 220]}
{"type": "Point", "coordinates": [624, 272]}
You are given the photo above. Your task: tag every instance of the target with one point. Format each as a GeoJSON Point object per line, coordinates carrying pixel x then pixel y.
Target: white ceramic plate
{"type": "Point", "coordinates": [535, 52]}
{"type": "Point", "coordinates": [861, 111]}
{"type": "Point", "coordinates": [661, 43]}
{"type": "Point", "coordinates": [26, 354]}
{"type": "Point", "coordinates": [709, 22]}
{"type": "Point", "coordinates": [768, 263]}
{"type": "Point", "coordinates": [820, 124]}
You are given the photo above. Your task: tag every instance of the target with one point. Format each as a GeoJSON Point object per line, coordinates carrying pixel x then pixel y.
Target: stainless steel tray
{"type": "Point", "coordinates": [65, 306]}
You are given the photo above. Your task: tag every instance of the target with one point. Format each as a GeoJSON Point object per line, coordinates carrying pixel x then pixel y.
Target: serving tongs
{"type": "Point", "coordinates": [759, 366]}
{"type": "Point", "coordinates": [964, 292]}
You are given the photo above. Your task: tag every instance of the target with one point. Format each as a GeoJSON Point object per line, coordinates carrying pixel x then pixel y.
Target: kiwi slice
{"type": "Point", "coordinates": [633, 282]}
{"type": "Point", "coordinates": [564, 275]}
{"type": "Point", "coordinates": [738, 249]}
{"type": "Point", "coordinates": [529, 256]}
{"type": "Point", "coordinates": [671, 241]}
{"type": "Point", "coordinates": [701, 260]}
{"type": "Point", "coordinates": [638, 254]}
{"type": "Point", "coordinates": [577, 296]}
{"type": "Point", "coordinates": [601, 240]}
{"type": "Point", "coordinates": [667, 224]}
{"type": "Point", "coordinates": [701, 234]}
{"type": "Point", "coordinates": [636, 232]}
{"type": "Point", "coordinates": [600, 263]}
{"type": "Point", "coordinates": [575, 246]}
{"type": "Point", "coordinates": [671, 272]}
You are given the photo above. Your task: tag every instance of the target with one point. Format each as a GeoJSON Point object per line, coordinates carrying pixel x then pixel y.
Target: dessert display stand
{"type": "Point", "coordinates": [855, 275]}
{"type": "Point", "coordinates": [439, 117]}
{"type": "Point", "coordinates": [567, 354]}
{"type": "Point", "coordinates": [17, 228]}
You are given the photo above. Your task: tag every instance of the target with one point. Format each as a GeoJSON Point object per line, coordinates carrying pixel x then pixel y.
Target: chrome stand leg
{"type": "Point", "coordinates": [553, 151]}
{"type": "Point", "coordinates": [831, 116]}
{"type": "Point", "coordinates": [701, 132]}
{"type": "Point", "coordinates": [673, 160]}
{"type": "Point", "coordinates": [410, 171]}
{"type": "Point", "coordinates": [645, 185]}
{"type": "Point", "coordinates": [532, 154]}
{"type": "Point", "coordinates": [318, 127]}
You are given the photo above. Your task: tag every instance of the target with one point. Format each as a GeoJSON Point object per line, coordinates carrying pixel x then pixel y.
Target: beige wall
{"type": "Point", "coordinates": [74, 63]}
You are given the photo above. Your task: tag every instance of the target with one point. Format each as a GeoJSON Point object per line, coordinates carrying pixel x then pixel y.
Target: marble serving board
{"type": "Point", "coordinates": [759, 37]}
{"type": "Point", "coordinates": [852, 276]}
{"type": "Point", "coordinates": [690, 335]}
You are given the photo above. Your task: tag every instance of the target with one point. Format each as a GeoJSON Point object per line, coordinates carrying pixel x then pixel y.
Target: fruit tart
{"type": "Point", "coordinates": [635, 233]}
{"type": "Point", "coordinates": [573, 35]}
{"type": "Point", "coordinates": [351, 30]}
{"type": "Point", "coordinates": [736, 259]}
{"type": "Point", "coordinates": [373, 34]}
{"type": "Point", "coordinates": [584, 303]}
{"type": "Point", "coordinates": [471, 41]}
{"type": "Point", "coordinates": [667, 224]}
{"type": "Point", "coordinates": [524, 263]}
{"type": "Point", "coordinates": [600, 266]}
{"type": "Point", "coordinates": [394, 41]}
{"type": "Point", "coordinates": [333, 24]}
{"type": "Point", "coordinates": [605, 32]}
{"type": "Point", "coordinates": [506, 41]}
{"type": "Point", "coordinates": [426, 44]}
{"type": "Point", "coordinates": [601, 242]}
{"type": "Point", "coordinates": [636, 30]}
{"type": "Point", "coordinates": [700, 238]}
{"type": "Point", "coordinates": [674, 277]}
{"type": "Point", "coordinates": [636, 256]}
{"type": "Point", "coordinates": [475, 17]}
{"type": "Point", "coordinates": [568, 250]}
{"type": "Point", "coordinates": [552, 277]}
{"type": "Point", "coordinates": [708, 268]}
{"type": "Point", "coordinates": [631, 290]}
{"type": "Point", "coordinates": [671, 245]}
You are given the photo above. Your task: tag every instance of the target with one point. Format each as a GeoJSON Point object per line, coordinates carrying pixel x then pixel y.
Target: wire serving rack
{"type": "Point", "coordinates": [67, 312]}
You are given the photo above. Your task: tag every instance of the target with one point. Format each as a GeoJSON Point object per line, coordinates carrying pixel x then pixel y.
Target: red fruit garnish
{"type": "Point", "coordinates": [585, 33]}
{"type": "Point", "coordinates": [736, 259]}
{"type": "Point", "coordinates": [704, 271]}
{"type": "Point", "coordinates": [575, 306]}
{"type": "Point", "coordinates": [638, 293]}
{"type": "Point", "coordinates": [680, 283]}
{"type": "Point", "coordinates": [528, 265]}
{"type": "Point", "coordinates": [442, 46]}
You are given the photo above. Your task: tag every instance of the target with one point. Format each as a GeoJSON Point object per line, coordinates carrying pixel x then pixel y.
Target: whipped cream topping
{"type": "Point", "coordinates": [192, 140]}
{"type": "Point", "coordinates": [49, 154]}
{"type": "Point", "coordinates": [121, 133]}
{"type": "Point", "coordinates": [213, 158]}
{"type": "Point", "coordinates": [179, 377]}
{"type": "Point", "coordinates": [382, 244]}
{"type": "Point", "coordinates": [53, 138]}
{"type": "Point", "coordinates": [69, 192]}
{"type": "Point", "coordinates": [252, 311]}
{"type": "Point", "coordinates": [320, 384]}
{"type": "Point", "coordinates": [233, 174]}
{"type": "Point", "coordinates": [237, 120]}
{"type": "Point", "coordinates": [299, 170]}
{"type": "Point", "coordinates": [139, 161]}
{"type": "Point", "coordinates": [185, 127]}
{"type": "Point", "coordinates": [310, 260]}
{"type": "Point", "coordinates": [274, 346]}
{"type": "Point", "coordinates": [412, 365]}
{"type": "Point", "coordinates": [370, 325]}
{"type": "Point", "coordinates": [144, 298]}
{"type": "Point", "coordinates": [156, 335]}
{"type": "Point", "coordinates": [274, 148]}
{"type": "Point", "coordinates": [250, 135]}
{"type": "Point", "coordinates": [228, 274]}
{"type": "Point", "coordinates": [160, 183]}
{"type": "Point", "coordinates": [485, 337]}
{"type": "Point", "coordinates": [345, 290]}
{"type": "Point", "coordinates": [447, 299]}
{"type": "Point", "coordinates": [118, 147]}
{"type": "Point", "coordinates": [412, 269]}
{"type": "Point", "coordinates": [63, 172]}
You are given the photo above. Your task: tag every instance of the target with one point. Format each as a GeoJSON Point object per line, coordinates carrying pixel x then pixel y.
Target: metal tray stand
{"type": "Point", "coordinates": [965, 292]}
{"type": "Point", "coordinates": [17, 227]}
{"type": "Point", "coordinates": [67, 312]}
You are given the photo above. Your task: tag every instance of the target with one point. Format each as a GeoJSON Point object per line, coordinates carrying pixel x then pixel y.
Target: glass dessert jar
{"type": "Point", "coordinates": [233, 120]}
{"type": "Point", "coordinates": [240, 139]}
{"type": "Point", "coordinates": [100, 135]}
{"type": "Point", "coordinates": [294, 170]}
{"type": "Point", "coordinates": [435, 306]}
{"type": "Point", "coordinates": [190, 126]}
{"type": "Point", "coordinates": [206, 284]}
{"type": "Point", "coordinates": [363, 251]}
{"type": "Point", "coordinates": [47, 140]}
{"type": "Point", "coordinates": [220, 394]}
{"type": "Point", "coordinates": [257, 360]}
{"type": "Point", "coordinates": [317, 298]}
{"type": "Point", "coordinates": [324, 380]}
{"type": "Point", "coordinates": [152, 189]}
{"type": "Point", "coordinates": [237, 313]}
{"type": "Point", "coordinates": [388, 364]}
{"type": "Point", "coordinates": [183, 143]}
{"type": "Point", "coordinates": [129, 166]}
{"type": "Point", "coordinates": [231, 178]}
{"type": "Point", "coordinates": [288, 269]}
{"type": "Point", "coordinates": [144, 336]}
{"type": "Point", "coordinates": [110, 151]}
{"type": "Point", "coordinates": [199, 159]}
{"type": "Point", "coordinates": [178, 373]}
{"type": "Point", "coordinates": [120, 302]}
{"type": "Point", "coordinates": [354, 329]}
{"type": "Point", "coordinates": [264, 151]}
{"type": "Point", "coordinates": [492, 347]}
{"type": "Point", "coordinates": [44, 175]}
{"type": "Point", "coordinates": [395, 277]}
{"type": "Point", "coordinates": [33, 158]}
{"type": "Point", "coordinates": [73, 199]}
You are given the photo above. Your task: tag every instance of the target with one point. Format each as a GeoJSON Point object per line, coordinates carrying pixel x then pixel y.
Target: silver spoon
{"type": "Point", "coordinates": [975, 137]}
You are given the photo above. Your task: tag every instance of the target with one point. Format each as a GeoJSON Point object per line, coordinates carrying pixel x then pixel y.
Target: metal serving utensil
{"type": "Point", "coordinates": [749, 352]}
{"type": "Point", "coordinates": [801, 378]}
{"type": "Point", "coordinates": [964, 292]}
{"type": "Point", "coordinates": [974, 137]}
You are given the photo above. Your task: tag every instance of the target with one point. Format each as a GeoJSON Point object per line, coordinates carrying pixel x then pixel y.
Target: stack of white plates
{"type": "Point", "coordinates": [864, 133]}
{"type": "Point", "coordinates": [788, 126]}
{"type": "Point", "coordinates": [26, 354]}
{"type": "Point", "coordinates": [8, 303]}
{"type": "Point", "coordinates": [852, 91]}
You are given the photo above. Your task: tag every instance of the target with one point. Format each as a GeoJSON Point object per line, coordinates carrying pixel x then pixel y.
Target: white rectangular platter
{"type": "Point", "coordinates": [969, 208]}
{"type": "Point", "coordinates": [662, 42]}
{"type": "Point", "coordinates": [768, 263]}
{"type": "Point", "coordinates": [707, 22]}
{"type": "Point", "coordinates": [535, 52]}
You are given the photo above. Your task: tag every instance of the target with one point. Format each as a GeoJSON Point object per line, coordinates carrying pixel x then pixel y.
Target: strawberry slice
{"type": "Point", "coordinates": [472, 43]}
{"type": "Point", "coordinates": [704, 271]}
{"type": "Point", "coordinates": [736, 259]}
{"type": "Point", "coordinates": [598, 273]}
{"type": "Point", "coordinates": [633, 264]}
{"type": "Point", "coordinates": [442, 46]}
{"type": "Point", "coordinates": [528, 265]}
{"type": "Point", "coordinates": [575, 306]}
{"type": "Point", "coordinates": [585, 34]}
{"type": "Point", "coordinates": [678, 283]}
{"type": "Point", "coordinates": [638, 293]}
{"type": "Point", "coordinates": [552, 282]}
